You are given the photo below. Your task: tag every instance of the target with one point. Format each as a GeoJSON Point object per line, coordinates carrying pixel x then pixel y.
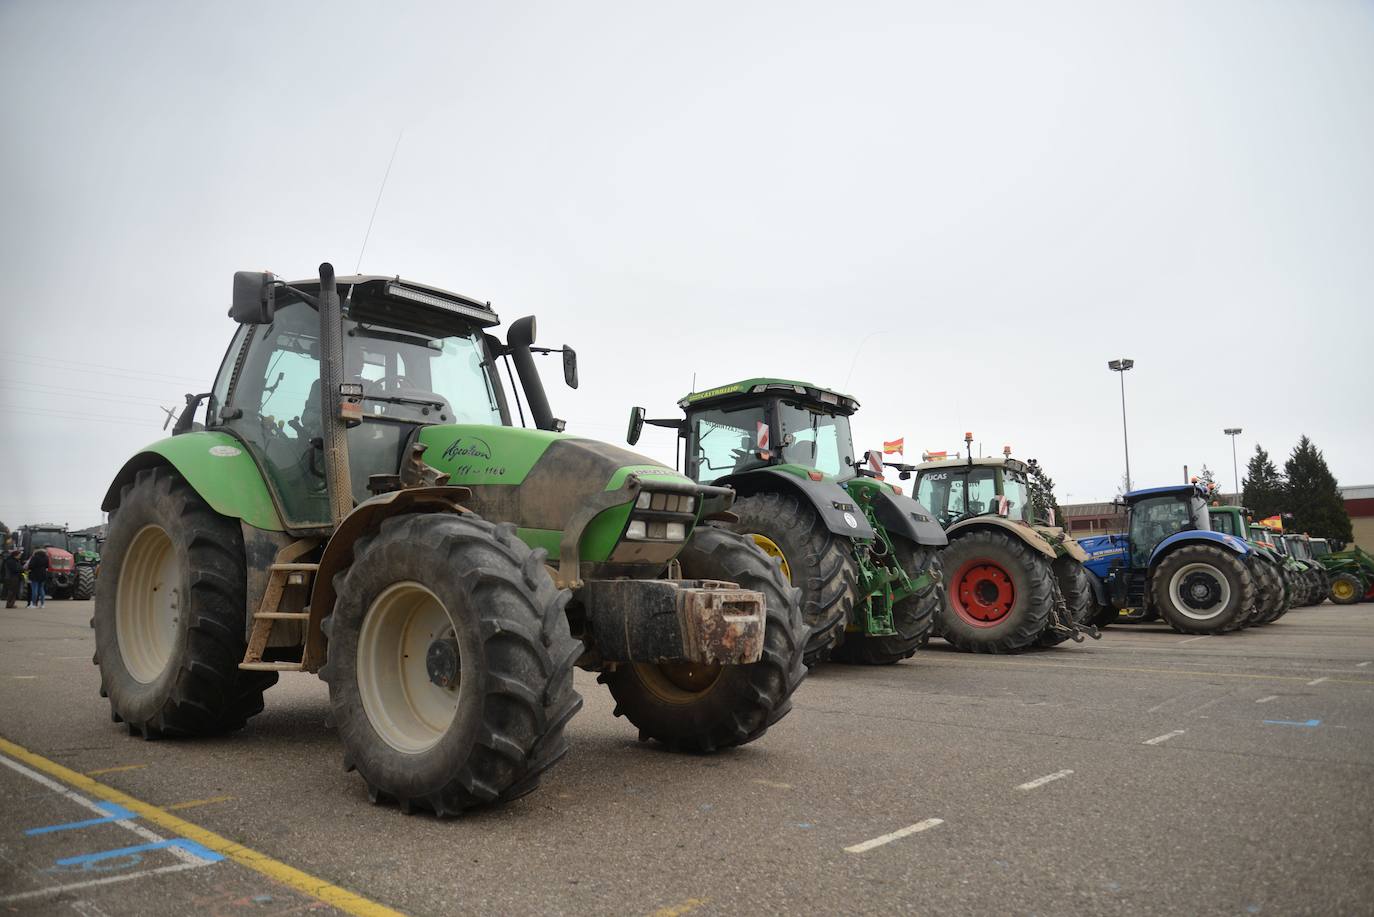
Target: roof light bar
{"type": "Point", "coordinates": [448, 305]}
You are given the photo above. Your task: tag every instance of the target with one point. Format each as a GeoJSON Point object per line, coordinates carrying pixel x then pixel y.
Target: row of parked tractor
{"type": "Point", "coordinates": [353, 497]}
{"type": "Point", "coordinates": [872, 564]}
{"type": "Point", "coordinates": [73, 557]}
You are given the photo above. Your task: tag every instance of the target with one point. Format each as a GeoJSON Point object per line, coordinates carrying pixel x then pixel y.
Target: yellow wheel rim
{"type": "Point", "coordinates": [1342, 589]}
{"type": "Point", "coordinates": [678, 682]}
{"type": "Point", "coordinates": [770, 547]}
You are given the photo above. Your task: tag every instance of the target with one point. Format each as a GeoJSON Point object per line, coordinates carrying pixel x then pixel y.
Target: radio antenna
{"type": "Point", "coordinates": [367, 235]}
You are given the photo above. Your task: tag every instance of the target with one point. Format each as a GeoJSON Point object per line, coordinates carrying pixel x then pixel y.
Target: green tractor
{"type": "Point", "coordinates": [1351, 572]}
{"type": "Point", "coordinates": [85, 548]}
{"type": "Point", "coordinates": [865, 557]}
{"type": "Point", "coordinates": [358, 504]}
{"type": "Point", "coordinates": [1275, 586]}
{"type": "Point", "coordinates": [1319, 580]}
{"type": "Point", "coordinates": [1304, 581]}
{"type": "Point", "coordinates": [1014, 578]}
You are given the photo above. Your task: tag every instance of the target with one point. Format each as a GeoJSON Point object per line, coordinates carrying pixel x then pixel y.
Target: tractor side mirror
{"type": "Point", "coordinates": [904, 475]}
{"type": "Point", "coordinates": [636, 425]}
{"type": "Point", "coordinates": [570, 366]}
{"type": "Point", "coordinates": [255, 298]}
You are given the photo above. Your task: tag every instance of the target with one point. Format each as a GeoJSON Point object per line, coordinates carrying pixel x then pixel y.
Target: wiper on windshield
{"type": "Point", "coordinates": [404, 399]}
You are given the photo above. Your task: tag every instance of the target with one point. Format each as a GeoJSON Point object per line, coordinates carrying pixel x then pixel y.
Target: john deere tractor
{"type": "Point", "coordinates": [1275, 586]}
{"type": "Point", "coordinates": [358, 504]}
{"type": "Point", "coordinates": [1351, 572]}
{"type": "Point", "coordinates": [1014, 579]}
{"type": "Point", "coordinates": [85, 549]}
{"type": "Point", "coordinates": [1169, 563]}
{"type": "Point", "coordinates": [864, 556]}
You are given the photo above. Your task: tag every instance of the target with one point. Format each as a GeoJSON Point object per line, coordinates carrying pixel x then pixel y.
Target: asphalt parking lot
{"type": "Point", "coordinates": [1145, 773]}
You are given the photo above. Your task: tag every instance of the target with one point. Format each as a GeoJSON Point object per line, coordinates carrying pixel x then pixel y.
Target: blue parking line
{"type": "Point", "coordinates": [116, 813]}
{"type": "Point", "coordinates": [1292, 723]}
{"type": "Point", "coordinates": [186, 844]}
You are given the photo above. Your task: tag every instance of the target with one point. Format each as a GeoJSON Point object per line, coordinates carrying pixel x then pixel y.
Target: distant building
{"type": "Point", "coordinates": [1359, 503]}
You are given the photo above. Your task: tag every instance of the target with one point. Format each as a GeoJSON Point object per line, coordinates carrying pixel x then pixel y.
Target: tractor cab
{"type": "Point", "coordinates": [1299, 548]}
{"type": "Point", "coordinates": [762, 423]}
{"type": "Point", "coordinates": [1320, 548]}
{"type": "Point", "coordinates": [1268, 537]}
{"type": "Point", "coordinates": [957, 489]}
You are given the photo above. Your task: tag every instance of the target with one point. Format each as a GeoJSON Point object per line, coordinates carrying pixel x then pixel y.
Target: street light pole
{"type": "Point", "coordinates": [1233, 432]}
{"type": "Point", "coordinates": [1120, 366]}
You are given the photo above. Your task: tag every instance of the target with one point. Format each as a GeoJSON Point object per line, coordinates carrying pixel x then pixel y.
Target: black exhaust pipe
{"type": "Point", "coordinates": [334, 434]}
{"type": "Point", "coordinates": [518, 341]}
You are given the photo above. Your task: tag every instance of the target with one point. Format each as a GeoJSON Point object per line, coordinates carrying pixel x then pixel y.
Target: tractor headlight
{"type": "Point", "coordinates": [644, 498]}
{"type": "Point", "coordinates": [636, 530]}
{"type": "Point", "coordinates": [676, 531]}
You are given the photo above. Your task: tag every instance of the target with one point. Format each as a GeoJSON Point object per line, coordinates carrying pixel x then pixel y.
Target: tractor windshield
{"type": "Point", "coordinates": [1319, 547]}
{"type": "Point", "coordinates": [816, 438]}
{"type": "Point", "coordinates": [724, 441]}
{"type": "Point", "coordinates": [1224, 522]}
{"type": "Point", "coordinates": [48, 538]}
{"type": "Point", "coordinates": [404, 373]}
{"type": "Point", "coordinates": [1297, 547]}
{"type": "Point", "coordinates": [1260, 533]}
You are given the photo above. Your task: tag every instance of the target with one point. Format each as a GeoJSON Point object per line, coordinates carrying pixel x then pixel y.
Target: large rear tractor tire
{"type": "Point", "coordinates": [701, 708]}
{"type": "Point", "coordinates": [170, 614]}
{"type": "Point", "coordinates": [912, 617]}
{"type": "Point", "coordinates": [815, 560]}
{"type": "Point", "coordinates": [450, 663]}
{"type": "Point", "coordinates": [85, 583]}
{"type": "Point", "coordinates": [1323, 577]}
{"type": "Point", "coordinates": [1270, 601]}
{"type": "Point", "coordinates": [1200, 589]}
{"type": "Point", "coordinates": [999, 594]}
{"type": "Point", "coordinates": [1079, 601]}
{"type": "Point", "coordinates": [1346, 589]}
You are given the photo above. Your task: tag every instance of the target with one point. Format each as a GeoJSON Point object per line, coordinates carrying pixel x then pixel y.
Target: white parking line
{"type": "Point", "coordinates": [1360, 665]}
{"type": "Point", "coordinates": [1316, 681]}
{"type": "Point", "coordinates": [1041, 781]}
{"type": "Point", "coordinates": [73, 886]}
{"type": "Point", "coordinates": [1265, 700]}
{"type": "Point", "coordinates": [1191, 639]}
{"type": "Point", "coordinates": [1164, 738]}
{"type": "Point", "coordinates": [895, 835]}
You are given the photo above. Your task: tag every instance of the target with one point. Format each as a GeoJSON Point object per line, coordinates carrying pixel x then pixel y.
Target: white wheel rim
{"type": "Point", "coordinates": [1183, 585]}
{"type": "Point", "coordinates": [148, 604]}
{"type": "Point", "coordinates": [409, 711]}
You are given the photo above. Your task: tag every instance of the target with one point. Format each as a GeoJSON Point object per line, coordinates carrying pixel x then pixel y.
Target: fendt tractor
{"type": "Point", "coordinates": [1170, 564]}
{"type": "Point", "coordinates": [865, 557]}
{"type": "Point", "coordinates": [1351, 572]}
{"type": "Point", "coordinates": [1014, 579]}
{"type": "Point", "coordinates": [358, 504]}
{"type": "Point", "coordinates": [1275, 587]}
{"type": "Point", "coordinates": [52, 538]}
{"type": "Point", "coordinates": [85, 550]}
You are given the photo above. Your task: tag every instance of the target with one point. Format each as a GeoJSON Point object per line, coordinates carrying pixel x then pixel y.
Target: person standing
{"type": "Point", "coordinates": [12, 571]}
{"type": "Point", "coordinates": [38, 578]}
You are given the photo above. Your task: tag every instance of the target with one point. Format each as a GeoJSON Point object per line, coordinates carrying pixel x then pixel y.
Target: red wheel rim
{"type": "Point", "coordinates": [982, 592]}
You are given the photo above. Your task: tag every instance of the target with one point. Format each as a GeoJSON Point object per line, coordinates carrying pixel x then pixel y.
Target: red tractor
{"type": "Point", "coordinates": [61, 564]}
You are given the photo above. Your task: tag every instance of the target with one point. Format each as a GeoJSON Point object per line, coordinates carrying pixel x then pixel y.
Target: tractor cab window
{"type": "Point", "coordinates": [1297, 547]}
{"type": "Point", "coordinates": [1319, 547]}
{"type": "Point", "coordinates": [726, 441]}
{"type": "Point", "coordinates": [1017, 492]}
{"type": "Point", "coordinates": [1154, 519]}
{"type": "Point", "coordinates": [1224, 523]}
{"type": "Point", "coordinates": [958, 492]}
{"type": "Point", "coordinates": [1265, 535]}
{"type": "Point", "coordinates": [420, 379]}
{"type": "Point", "coordinates": [47, 538]}
{"type": "Point", "coordinates": [816, 438]}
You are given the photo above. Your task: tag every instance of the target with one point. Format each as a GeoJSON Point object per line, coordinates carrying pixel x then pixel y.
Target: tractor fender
{"type": "Point", "coordinates": [218, 468]}
{"type": "Point", "coordinates": [984, 523]}
{"type": "Point", "coordinates": [837, 509]}
{"type": "Point", "coordinates": [1099, 588]}
{"type": "Point", "coordinates": [1058, 537]}
{"type": "Point", "coordinates": [1179, 539]}
{"type": "Point", "coordinates": [338, 552]}
{"type": "Point", "coordinates": [906, 517]}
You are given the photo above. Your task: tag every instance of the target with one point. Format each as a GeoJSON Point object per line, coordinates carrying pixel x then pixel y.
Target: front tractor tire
{"type": "Point", "coordinates": [999, 595]}
{"type": "Point", "coordinates": [1201, 589]}
{"type": "Point", "coordinates": [1079, 602]}
{"type": "Point", "coordinates": [450, 663]}
{"type": "Point", "coordinates": [85, 583]}
{"type": "Point", "coordinates": [1270, 599]}
{"type": "Point", "coordinates": [701, 708]}
{"type": "Point", "coordinates": [912, 617]}
{"type": "Point", "coordinates": [1346, 589]}
{"type": "Point", "coordinates": [170, 614]}
{"type": "Point", "coordinates": [818, 562]}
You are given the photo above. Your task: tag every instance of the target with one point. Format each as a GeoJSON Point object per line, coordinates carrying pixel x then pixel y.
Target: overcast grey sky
{"type": "Point", "coordinates": [1008, 194]}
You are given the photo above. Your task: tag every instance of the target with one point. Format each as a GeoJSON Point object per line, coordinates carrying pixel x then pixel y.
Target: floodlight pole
{"type": "Point", "coordinates": [1120, 367]}
{"type": "Point", "coordinates": [1233, 432]}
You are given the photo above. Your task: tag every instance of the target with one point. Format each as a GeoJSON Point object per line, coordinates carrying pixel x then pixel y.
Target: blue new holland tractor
{"type": "Point", "coordinates": [1170, 564]}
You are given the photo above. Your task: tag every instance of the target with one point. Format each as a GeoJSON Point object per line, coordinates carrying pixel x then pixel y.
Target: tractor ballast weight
{"type": "Point", "coordinates": [1015, 580]}
{"type": "Point", "coordinates": [358, 505]}
{"type": "Point", "coordinates": [1169, 563]}
{"type": "Point", "coordinates": [864, 556]}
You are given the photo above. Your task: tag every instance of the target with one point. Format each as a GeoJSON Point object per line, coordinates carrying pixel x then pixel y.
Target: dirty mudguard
{"type": "Point", "coordinates": [704, 621]}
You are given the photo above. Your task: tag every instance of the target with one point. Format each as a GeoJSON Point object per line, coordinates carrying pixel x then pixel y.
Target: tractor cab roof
{"type": "Point", "coordinates": [1182, 490]}
{"type": "Point", "coordinates": [404, 302]}
{"type": "Point", "coordinates": [764, 386]}
{"type": "Point", "coordinates": [954, 462]}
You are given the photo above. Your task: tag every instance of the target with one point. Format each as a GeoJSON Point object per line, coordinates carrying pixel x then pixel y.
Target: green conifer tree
{"type": "Point", "coordinates": [1312, 495]}
{"type": "Point", "coordinates": [1262, 488]}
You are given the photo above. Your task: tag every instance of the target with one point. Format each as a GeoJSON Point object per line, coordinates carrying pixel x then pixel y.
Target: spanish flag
{"type": "Point", "coordinates": [1273, 522]}
{"type": "Point", "coordinates": [894, 447]}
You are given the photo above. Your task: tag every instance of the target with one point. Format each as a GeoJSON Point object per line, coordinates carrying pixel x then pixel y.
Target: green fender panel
{"type": "Point", "coordinates": [217, 467]}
